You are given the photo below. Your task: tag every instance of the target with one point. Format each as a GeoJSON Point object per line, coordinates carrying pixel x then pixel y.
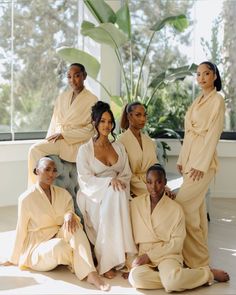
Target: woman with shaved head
{"type": "Point", "coordinates": [48, 232]}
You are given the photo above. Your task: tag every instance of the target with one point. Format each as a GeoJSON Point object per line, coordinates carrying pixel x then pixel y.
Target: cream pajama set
{"type": "Point", "coordinates": [161, 235]}
{"type": "Point", "coordinates": [204, 123]}
{"type": "Point", "coordinates": [140, 159]}
{"type": "Point", "coordinates": [41, 241]}
{"type": "Point", "coordinates": [73, 121]}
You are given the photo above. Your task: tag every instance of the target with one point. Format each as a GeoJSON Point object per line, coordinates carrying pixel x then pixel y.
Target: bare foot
{"type": "Point", "coordinates": [110, 274]}
{"type": "Point", "coordinates": [6, 263]}
{"type": "Point", "coordinates": [94, 279]}
{"type": "Point", "coordinates": [125, 275]}
{"type": "Point", "coordinates": [220, 275]}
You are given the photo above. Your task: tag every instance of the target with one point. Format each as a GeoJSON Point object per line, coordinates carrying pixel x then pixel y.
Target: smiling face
{"type": "Point", "coordinates": [138, 117]}
{"type": "Point", "coordinates": [46, 171]}
{"type": "Point", "coordinates": [76, 78]}
{"type": "Point", "coordinates": [156, 184]}
{"type": "Point", "coordinates": [105, 124]}
{"type": "Point", "coordinates": [205, 77]}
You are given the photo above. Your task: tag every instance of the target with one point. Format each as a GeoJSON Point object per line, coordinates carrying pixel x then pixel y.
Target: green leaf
{"type": "Point", "coordinates": [123, 19]}
{"type": "Point", "coordinates": [172, 74]}
{"type": "Point", "coordinates": [179, 22]}
{"type": "Point", "coordinates": [157, 80]}
{"type": "Point", "coordinates": [117, 100]}
{"type": "Point", "coordinates": [73, 55]}
{"type": "Point", "coordinates": [106, 33]}
{"type": "Point", "coordinates": [101, 11]}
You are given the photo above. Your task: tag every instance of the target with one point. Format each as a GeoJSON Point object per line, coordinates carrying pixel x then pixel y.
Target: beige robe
{"type": "Point", "coordinates": [40, 235]}
{"type": "Point", "coordinates": [73, 121]}
{"type": "Point", "coordinates": [204, 123]}
{"type": "Point", "coordinates": [160, 235]}
{"type": "Point", "coordinates": [105, 211]}
{"type": "Point", "coordinates": [140, 159]}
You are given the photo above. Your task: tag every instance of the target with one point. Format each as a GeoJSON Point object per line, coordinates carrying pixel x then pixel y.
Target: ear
{"type": "Point", "coordinates": [215, 77]}
{"type": "Point", "coordinates": [85, 75]}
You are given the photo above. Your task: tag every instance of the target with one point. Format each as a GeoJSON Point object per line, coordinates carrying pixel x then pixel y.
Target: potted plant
{"type": "Point", "coordinates": [115, 30]}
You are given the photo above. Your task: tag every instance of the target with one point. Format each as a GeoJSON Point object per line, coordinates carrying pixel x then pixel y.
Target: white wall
{"type": "Point", "coordinates": [13, 169]}
{"type": "Point", "coordinates": [224, 184]}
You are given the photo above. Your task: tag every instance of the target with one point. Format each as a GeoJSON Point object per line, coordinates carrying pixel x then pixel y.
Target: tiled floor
{"type": "Point", "coordinates": [222, 243]}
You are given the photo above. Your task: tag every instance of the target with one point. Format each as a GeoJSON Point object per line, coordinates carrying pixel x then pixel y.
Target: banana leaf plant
{"type": "Point", "coordinates": [114, 29]}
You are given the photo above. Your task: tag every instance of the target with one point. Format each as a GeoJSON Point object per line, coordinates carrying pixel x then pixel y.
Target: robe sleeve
{"type": "Point", "coordinates": [78, 135]}
{"type": "Point", "coordinates": [52, 125]}
{"type": "Point", "coordinates": [88, 182]}
{"type": "Point", "coordinates": [21, 230]}
{"type": "Point", "coordinates": [138, 186]}
{"type": "Point", "coordinates": [173, 246]}
{"type": "Point", "coordinates": [69, 206]}
{"type": "Point", "coordinates": [212, 137]}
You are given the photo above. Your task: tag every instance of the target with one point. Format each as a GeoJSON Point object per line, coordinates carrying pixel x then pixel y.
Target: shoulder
{"type": "Point", "coordinates": [93, 98]}
{"type": "Point", "coordinates": [218, 97]}
{"type": "Point", "coordinates": [26, 196]}
{"type": "Point", "coordinates": [86, 147]}
{"type": "Point", "coordinates": [61, 191]}
{"type": "Point", "coordinates": [123, 135]}
{"type": "Point", "coordinates": [147, 138]}
{"type": "Point", "coordinates": [176, 208]}
{"type": "Point", "coordinates": [119, 145]}
{"type": "Point", "coordinates": [138, 201]}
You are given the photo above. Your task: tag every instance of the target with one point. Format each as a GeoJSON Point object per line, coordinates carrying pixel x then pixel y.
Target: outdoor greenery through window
{"type": "Point", "coordinates": [211, 35]}
{"type": "Point", "coordinates": [32, 74]}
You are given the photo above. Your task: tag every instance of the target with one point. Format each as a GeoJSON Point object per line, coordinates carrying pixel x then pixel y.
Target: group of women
{"type": "Point", "coordinates": [111, 171]}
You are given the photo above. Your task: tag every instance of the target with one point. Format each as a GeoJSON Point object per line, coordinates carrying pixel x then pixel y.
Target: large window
{"type": "Point", "coordinates": [31, 74]}
{"type": "Point", "coordinates": [211, 36]}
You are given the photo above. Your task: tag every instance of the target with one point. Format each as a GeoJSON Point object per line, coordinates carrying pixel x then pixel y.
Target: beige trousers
{"type": "Point", "coordinates": [171, 276]}
{"type": "Point", "coordinates": [191, 197]}
{"type": "Point", "coordinates": [36, 152]}
{"type": "Point", "coordinates": [67, 249]}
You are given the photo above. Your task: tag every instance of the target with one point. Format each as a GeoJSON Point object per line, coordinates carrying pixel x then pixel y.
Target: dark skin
{"type": "Point", "coordinates": [137, 120]}
{"type": "Point", "coordinates": [76, 80]}
{"type": "Point", "coordinates": [156, 187]}
{"type": "Point", "coordinates": [103, 149]}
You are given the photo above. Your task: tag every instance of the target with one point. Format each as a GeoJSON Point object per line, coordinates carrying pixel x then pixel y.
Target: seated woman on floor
{"type": "Point", "coordinates": [48, 233]}
{"type": "Point", "coordinates": [159, 232]}
{"type": "Point", "coordinates": [104, 176]}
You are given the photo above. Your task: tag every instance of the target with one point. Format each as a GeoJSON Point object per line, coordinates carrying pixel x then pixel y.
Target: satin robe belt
{"type": "Point", "coordinates": [140, 174]}
{"type": "Point", "coordinates": [66, 127]}
{"type": "Point", "coordinates": [197, 133]}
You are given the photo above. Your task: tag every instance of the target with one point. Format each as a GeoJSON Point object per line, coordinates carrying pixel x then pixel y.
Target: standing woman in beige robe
{"type": "Point", "coordinates": [48, 232]}
{"type": "Point", "coordinates": [140, 148]}
{"type": "Point", "coordinates": [104, 176]}
{"type": "Point", "coordinates": [198, 162]}
{"type": "Point", "coordinates": [70, 124]}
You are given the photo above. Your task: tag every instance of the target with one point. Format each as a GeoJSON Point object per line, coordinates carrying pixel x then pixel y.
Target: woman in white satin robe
{"type": "Point", "coordinates": [104, 176]}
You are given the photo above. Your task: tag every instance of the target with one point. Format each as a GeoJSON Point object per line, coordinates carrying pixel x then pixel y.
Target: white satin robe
{"type": "Point", "coordinates": [105, 211]}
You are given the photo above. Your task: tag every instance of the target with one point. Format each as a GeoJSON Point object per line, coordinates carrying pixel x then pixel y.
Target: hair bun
{"type": "Point", "coordinates": [100, 106]}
